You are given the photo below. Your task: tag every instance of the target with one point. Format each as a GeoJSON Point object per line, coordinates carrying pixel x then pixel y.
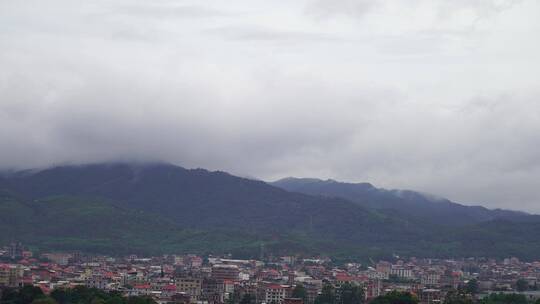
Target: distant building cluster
{"type": "Point", "coordinates": [192, 279]}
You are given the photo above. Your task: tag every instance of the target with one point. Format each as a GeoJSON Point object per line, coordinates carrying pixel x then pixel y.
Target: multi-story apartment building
{"type": "Point", "coordinates": [313, 288]}
{"type": "Point", "coordinates": [96, 281]}
{"type": "Point", "coordinates": [430, 279]}
{"type": "Point", "coordinates": [190, 286]}
{"type": "Point", "coordinates": [11, 275]}
{"type": "Point", "coordinates": [401, 272]}
{"type": "Point", "coordinates": [223, 272]}
{"type": "Point", "coordinates": [276, 293]}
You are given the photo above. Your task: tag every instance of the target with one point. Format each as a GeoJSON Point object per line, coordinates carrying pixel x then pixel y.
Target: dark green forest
{"type": "Point", "coordinates": [159, 208]}
{"type": "Point", "coordinates": [77, 295]}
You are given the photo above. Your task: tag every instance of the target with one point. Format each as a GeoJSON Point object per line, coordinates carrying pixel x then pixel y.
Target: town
{"type": "Point", "coordinates": [195, 279]}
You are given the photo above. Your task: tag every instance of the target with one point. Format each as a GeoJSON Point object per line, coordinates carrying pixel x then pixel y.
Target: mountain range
{"type": "Point", "coordinates": [405, 202]}
{"type": "Point", "coordinates": [162, 208]}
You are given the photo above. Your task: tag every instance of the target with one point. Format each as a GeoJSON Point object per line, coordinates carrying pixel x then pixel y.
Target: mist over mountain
{"type": "Point", "coordinates": [156, 207]}
{"type": "Point", "coordinates": [440, 96]}
{"type": "Point", "coordinates": [405, 202]}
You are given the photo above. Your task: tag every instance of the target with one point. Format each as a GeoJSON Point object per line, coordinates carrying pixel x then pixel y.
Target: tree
{"type": "Point", "coordinates": [351, 294]}
{"type": "Point", "coordinates": [77, 295]}
{"type": "Point", "coordinates": [97, 300]}
{"type": "Point", "coordinates": [300, 292]}
{"type": "Point", "coordinates": [30, 293]}
{"type": "Point", "coordinates": [9, 296]}
{"type": "Point", "coordinates": [327, 296]}
{"type": "Point", "coordinates": [140, 300]}
{"type": "Point", "coordinates": [44, 300]}
{"type": "Point", "coordinates": [501, 298]}
{"type": "Point", "coordinates": [233, 298]}
{"type": "Point", "coordinates": [115, 299]}
{"type": "Point", "coordinates": [60, 295]}
{"type": "Point", "coordinates": [472, 287]}
{"type": "Point", "coordinates": [25, 295]}
{"type": "Point", "coordinates": [522, 285]}
{"type": "Point", "coordinates": [455, 297]}
{"type": "Point", "coordinates": [246, 299]}
{"type": "Point", "coordinates": [396, 297]}
{"type": "Point", "coordinates": [84, 295]}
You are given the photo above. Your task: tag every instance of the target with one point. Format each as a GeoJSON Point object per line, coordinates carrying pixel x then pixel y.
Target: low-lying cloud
{"type": "Point", "coordinates": [409, 95]}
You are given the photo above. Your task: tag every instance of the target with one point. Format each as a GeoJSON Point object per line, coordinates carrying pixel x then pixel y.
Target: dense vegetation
{"type": "Point", "coordinates": [77, 295]}
{"type": "Point", "coordinates": [506, 299]}
{"type": "Point", "coordinates": [396, 297]}
{"type": "Point", "coordinates": [123, 208]}
{"type": "Point", "coordinates": [344, 294]}
{"type": "Point", "coordinates": [68, 223]}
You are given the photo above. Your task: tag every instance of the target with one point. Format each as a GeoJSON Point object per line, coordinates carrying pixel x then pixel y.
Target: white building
{"type": "Point", "coordinates": [401, 272]}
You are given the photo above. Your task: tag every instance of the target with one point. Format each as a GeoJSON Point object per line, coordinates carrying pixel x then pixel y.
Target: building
{"type": "Point", "coordinates": [140, 290]}
{"type": "Point", "coordinates": [222, 272]}
{"type": "Point", "coordinates": [401, 272]}
{"type": "Point", "coordinates": [228, 289]}
{"type": "Point", "coordinates": [181, 298]}
{"type": "Point", "coordinates": [59, 258]}
{"type": "Point", "coordinates": [430, 296]}
{"type": "Point", "coordinates": [276, 293]}
{"type": "Point", "coordinates": [11, 275]}
{"type": "Point", "coordinates": [384, 267]}
{"type": "Point", "coordinates": [313, 288]}
{"type": "Point", "coordinates": [212, 290]}
{"type": "Point", "coordinates": [190, 286]}
{"type": "Point", "coordinates": [96, 281]}
{"type": "Point", "coordinates": [293, 301]}
{"type": "Point", "coordinates": [192, 261]}
{"type": "Point", "coordinates": [15, 250]}
{"type": "Point", "coordinates": [168, 291]}
{"type": "Point", "coordinates": [430, 279]}
{"type": "Point", "coordinates": [373, 289]}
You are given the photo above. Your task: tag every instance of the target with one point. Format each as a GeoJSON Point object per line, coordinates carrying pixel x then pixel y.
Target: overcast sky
{"type": "Point", "coordinates": [431, 95]}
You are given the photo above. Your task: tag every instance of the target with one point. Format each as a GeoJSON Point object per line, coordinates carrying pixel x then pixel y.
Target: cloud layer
{"type": "Point", "coordinates": [437, 96]}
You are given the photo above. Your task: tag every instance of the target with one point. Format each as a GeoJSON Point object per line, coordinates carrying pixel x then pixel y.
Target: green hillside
{"type": "Point", "coordinates": [150, 209]}
{"type": "Point", "coordinates": [70, 223]}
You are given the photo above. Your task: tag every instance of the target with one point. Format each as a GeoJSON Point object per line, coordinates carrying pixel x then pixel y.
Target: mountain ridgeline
{"type": "Point", "coordinates": [159, 208]}
{"type": "Point", "coordinates": [406, 203]}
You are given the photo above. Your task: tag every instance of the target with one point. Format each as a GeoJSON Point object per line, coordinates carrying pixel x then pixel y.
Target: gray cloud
{"type": "Point", "coordinates": [442, 10]}
{"type": "Point", "coordinates": [353, 8]}
{"type": "Point", "coordinates": [404, 97]}
{"type": "Point", "coordinates": [168, 10]}
{"type": "Point", "coordinates": [254, 33]}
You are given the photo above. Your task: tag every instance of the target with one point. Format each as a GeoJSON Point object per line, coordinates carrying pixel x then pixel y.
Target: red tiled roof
{"type": "Point", "coordinates": [274, 286]}
{"type": "Point", "coordinates": [344, 277]}
{"type": "Point", "coordinates": [169, 287]}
